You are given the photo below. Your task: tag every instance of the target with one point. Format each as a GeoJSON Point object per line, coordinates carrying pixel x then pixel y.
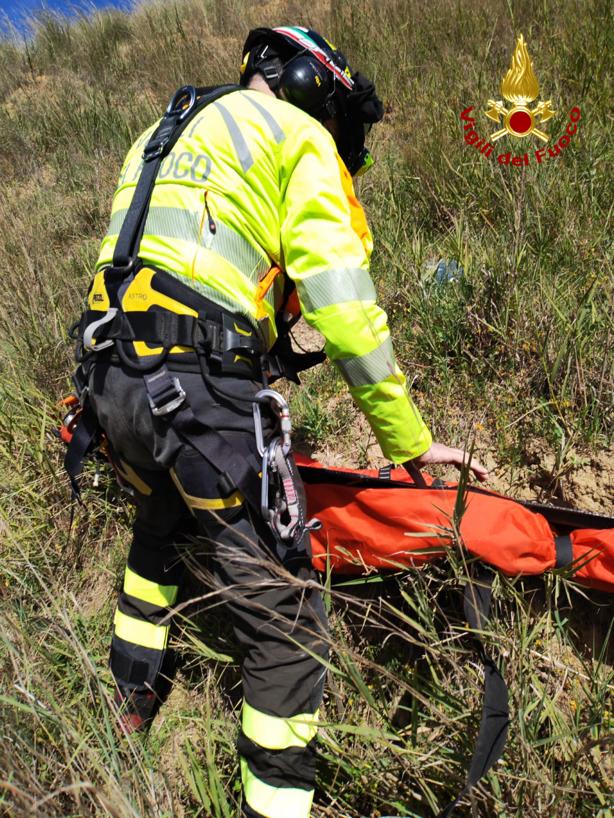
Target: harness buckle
{"type": "Point", "coordinates": [182, 102]}
{"type": "Point", "coordinates": [212, 339]}
{"type": "Point", "coordinates": [154, 150]}
{"type": "Point", "coordinates": [181, 105]}
{"type": "Point", "coordinates": [157, 144]}
{"type": "Point", "coordinates": [233, 341]}
{"type": "Point", "coordinates": [164, 393]}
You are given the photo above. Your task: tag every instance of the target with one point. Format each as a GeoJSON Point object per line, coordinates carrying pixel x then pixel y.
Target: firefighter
{"type": "Point", "coordinates": [249, 219]}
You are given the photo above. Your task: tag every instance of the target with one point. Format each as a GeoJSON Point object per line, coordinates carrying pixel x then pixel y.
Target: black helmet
{"type": "Point", "coordinates": [303, 68]}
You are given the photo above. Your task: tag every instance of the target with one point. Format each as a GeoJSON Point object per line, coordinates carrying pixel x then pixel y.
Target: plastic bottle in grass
{"type": "Point", "coordinates": [446, 272]}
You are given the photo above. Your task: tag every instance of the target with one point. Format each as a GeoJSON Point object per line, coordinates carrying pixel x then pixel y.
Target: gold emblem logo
{"type": "Point", "coordinates": [520, 87]}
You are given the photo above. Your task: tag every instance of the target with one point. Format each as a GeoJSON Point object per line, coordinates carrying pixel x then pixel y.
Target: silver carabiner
{"type": "Point", "coordinates": [88, 334]}
{"type": "Point", "coordinates": [264, 488]}
{"type": "Point", "coordinates": [282, 409]}
{"type": "Point", "coordinates": [273, 457]}
{"type": "Point", "coordinates": [285, 511]}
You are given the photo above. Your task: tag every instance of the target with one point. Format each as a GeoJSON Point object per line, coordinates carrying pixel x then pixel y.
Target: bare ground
{"type": "Point", "coordinates": [581, 479]}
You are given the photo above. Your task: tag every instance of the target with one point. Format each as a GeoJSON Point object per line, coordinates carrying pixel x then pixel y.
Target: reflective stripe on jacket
{"type": "Point", "coordinates": [254, 183]}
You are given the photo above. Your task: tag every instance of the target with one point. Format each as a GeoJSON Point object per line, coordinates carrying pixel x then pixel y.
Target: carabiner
{"type": "Point", "coordinates": [280, 404]}
{"type": "Point", "coordinates": [88, 333]}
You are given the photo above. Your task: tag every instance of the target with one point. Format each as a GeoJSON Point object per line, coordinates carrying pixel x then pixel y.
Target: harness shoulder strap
{"type": "Point", "coordinates": [185, 104]}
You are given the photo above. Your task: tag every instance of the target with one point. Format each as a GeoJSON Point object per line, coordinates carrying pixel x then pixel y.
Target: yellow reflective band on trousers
{"type": "Point", "coordinates": [207, 503]}
{"type": "Point", "coordinates": [274, 802]}
{"type": "Point", "coordinates": [148, 591]}
{"type": "Point", "coordinates": [127, 473]}
{"type": "Point", "coordinates": [140, 633]}
{"type": "Point", "coordinates": [276, 733]}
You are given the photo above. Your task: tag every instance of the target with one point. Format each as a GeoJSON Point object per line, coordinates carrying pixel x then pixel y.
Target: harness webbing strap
{"type": "Point", "coordinates": [210, 444]}
{"type": "Point", "coordinates": [415, 474]}
{"type": "Point", "coordinates": [159, 145]}
{"type": "Point", "coordinates": [125, 248]}
{"type": "Point", "coordinates": [164, 328]}
{"type": "Point", "coordinates": [495, 719]}
{"type": "Point", "coordinates": [164, 390]}
{"type": "Point", "coordinates": [82, 441]}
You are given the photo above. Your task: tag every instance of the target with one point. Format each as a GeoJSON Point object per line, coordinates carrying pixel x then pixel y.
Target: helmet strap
{"type": "Point", "coordinates": [266, 62]}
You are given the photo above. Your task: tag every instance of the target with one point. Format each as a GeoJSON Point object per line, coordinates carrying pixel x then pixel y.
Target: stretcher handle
{"type": "Point", "coordinates": [415, 474]}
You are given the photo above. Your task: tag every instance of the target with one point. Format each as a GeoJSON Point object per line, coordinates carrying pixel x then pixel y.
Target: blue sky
{"type": "Point", "coordinates": [18, 11]}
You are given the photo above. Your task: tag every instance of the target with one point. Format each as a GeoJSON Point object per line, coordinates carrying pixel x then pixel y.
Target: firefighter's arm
{"type": "Point", "coordinates": [440, 453]}
{"type": "Point", "coordinates": [326, 246]}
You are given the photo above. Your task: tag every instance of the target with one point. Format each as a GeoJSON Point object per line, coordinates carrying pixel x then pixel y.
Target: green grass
{"type": "Point", "coordinates": [521, 344]}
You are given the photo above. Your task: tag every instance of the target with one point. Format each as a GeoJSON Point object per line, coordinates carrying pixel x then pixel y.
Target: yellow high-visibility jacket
{"type": "Point", "coordinates": [268, 177]}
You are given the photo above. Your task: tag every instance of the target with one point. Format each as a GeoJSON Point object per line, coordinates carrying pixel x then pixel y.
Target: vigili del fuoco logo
{"type": "Point", "coordinates": [520, 89]}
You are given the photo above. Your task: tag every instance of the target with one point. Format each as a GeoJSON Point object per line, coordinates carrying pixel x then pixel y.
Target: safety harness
{"type": "Point", "coordinates": [218, 337]}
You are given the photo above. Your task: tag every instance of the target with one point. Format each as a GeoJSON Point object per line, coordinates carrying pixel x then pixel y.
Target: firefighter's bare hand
{"type": "Point", "coordinates": [439, 453]}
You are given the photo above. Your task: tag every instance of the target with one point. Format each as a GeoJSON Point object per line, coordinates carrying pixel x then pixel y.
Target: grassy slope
{"type": "Point", "coordinates": [521, 345]}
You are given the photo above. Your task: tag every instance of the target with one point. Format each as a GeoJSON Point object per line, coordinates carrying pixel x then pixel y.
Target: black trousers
{"type": "Point", "coordinates": [276, 609]}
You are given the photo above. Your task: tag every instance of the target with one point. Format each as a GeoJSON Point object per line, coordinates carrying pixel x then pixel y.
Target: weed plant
{"type": "Point", "coordinates": [522, 340]}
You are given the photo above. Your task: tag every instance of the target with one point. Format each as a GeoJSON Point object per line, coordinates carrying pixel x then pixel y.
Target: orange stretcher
{"type": "Point", "coordinates": [386, 520]}
{"type": "Point", "coordinates": [383, 520]}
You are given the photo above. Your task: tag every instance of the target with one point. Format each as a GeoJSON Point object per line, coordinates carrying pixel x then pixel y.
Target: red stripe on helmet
{"type": "Point", "coordinates": [319, 54]}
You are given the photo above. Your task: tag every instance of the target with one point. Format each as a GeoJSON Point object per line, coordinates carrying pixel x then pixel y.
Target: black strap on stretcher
{"type": "Point", "coordinates": [563, 550]}
{"type": "Point", "coordinates": [495, 719]}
